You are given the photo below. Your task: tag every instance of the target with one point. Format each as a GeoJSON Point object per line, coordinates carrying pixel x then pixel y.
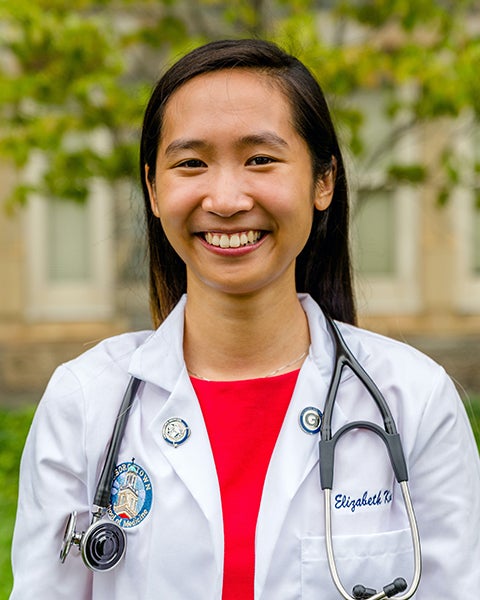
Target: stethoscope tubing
{"type": "Point", "coordinates": [103, 490]}
{"type": "Point", "coordinates": [343, 357]}
{"type": "Point", "coordinates": [417, 555]}
{"type": "Point", "coordinates": [103, 544]}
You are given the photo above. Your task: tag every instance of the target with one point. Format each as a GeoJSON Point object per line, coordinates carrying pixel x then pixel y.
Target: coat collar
{"type": "Point", "coordinates": [159, 361]}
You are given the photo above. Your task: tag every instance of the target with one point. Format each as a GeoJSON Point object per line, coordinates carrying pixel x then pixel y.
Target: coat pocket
{"type": "Point", "coordinates": [373, 560]}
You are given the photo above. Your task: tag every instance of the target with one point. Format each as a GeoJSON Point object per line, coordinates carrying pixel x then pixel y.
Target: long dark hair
{"type": "Point", "coordinates": [323, 267]}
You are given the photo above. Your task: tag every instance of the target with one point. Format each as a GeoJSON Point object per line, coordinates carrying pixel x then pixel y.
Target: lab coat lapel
{"type": "Point", "coordinates": [296, 452]}
{"type": "Point", "coordinates": [193, 460]}
{"type": "Point", "coordinates": [159, 361]}
{"type": "Point", "coordinates": [295, 455]}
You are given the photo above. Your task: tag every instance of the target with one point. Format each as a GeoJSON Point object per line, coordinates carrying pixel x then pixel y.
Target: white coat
{"type": "Point", "coordinates": [176, 552]}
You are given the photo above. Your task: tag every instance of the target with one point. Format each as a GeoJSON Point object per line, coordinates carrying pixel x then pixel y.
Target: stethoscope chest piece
{"type": "Point", "coordinates": [102, 545]}
{"type": "Point", "coordinates": [70, 536]}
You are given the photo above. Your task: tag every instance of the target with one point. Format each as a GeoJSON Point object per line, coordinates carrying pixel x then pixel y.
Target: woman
{"type": "Point", "coordinates": [216, 481]}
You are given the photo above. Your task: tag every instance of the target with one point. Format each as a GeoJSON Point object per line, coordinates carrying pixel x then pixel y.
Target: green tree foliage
{"type": "Point", "coordinates": [74, 77]}
{"type": "Point", "coordinates": [69, 90]}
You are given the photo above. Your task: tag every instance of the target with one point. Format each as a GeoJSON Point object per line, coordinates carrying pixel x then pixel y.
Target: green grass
{"type": "Point", "coordinates": [472, 405]}
{"type": "Point", "coordinates": [14, 424]}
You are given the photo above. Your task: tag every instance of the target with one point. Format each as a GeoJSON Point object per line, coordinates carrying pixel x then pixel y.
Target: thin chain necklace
{"type": "Point", "coordinates": [289, 364]}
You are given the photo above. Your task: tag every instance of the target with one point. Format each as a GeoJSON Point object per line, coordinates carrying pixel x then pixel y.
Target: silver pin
{"type": "Point", "coordinates": [310, 420]}
{"type": "Point", "coordinates": [175, 431]}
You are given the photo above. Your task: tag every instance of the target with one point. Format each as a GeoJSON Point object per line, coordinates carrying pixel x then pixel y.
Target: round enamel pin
{"type": "Point", "coordinates": [310, 420]}
{"type": "Point", "coordinates": [175, 431]}
{"type": "Point", "coordinates": [131, 495]}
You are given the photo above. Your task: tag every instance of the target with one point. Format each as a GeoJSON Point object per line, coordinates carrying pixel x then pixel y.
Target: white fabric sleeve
{"type": "Point", "coordinates": [53, 482]}
{"type": "Point", "coordinates": [445, 485]}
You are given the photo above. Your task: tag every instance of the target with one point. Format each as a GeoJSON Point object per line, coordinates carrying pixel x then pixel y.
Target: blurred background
{"type": "Point", "coordinates": [401, 77]}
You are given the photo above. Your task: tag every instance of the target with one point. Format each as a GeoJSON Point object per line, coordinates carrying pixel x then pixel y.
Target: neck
{"type": "Point", "coordinates": [229, 337]}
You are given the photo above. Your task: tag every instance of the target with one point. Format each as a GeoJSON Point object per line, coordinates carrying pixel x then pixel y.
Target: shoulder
{"type": "Point", "coordinates": [414, 384]}
{"type": "Point", "coordinates": [113, 352]}
{"type": "Point", "coordinates": [82, 397]}
{"type": "Point", "coordinates": [374, 351]}
{"type": "Point", "coordinates": [102, 366]}
{"type": "Point", "coordinates": [393, 363]}
{"type": "Point", "coordinates": [380, 348]}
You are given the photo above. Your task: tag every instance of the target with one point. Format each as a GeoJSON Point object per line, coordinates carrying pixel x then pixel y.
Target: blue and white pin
{"type": "Point", "coordinates": [310, 420]}
{"type": "Point", "coordinates": [175, 431]}
{"type": "Point", "coordinates": [131, 495]}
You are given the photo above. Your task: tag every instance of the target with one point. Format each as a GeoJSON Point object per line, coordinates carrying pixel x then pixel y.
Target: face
{"type": "Point", "coordinates": [233, 183]}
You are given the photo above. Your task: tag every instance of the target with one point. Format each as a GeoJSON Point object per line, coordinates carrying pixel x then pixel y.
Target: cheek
{"type": "Point", "coordinates": [172, 224]}
{"type": "Point", "coordinates": [172, 205]}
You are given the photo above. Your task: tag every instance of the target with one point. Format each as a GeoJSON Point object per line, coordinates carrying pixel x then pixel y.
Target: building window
{"type": "Point", "coordinates": [376, 236]}
{"type": "Point", "coordinates": [69, 252]}
{"type": "Point", "coordinates": [465, 213]}
{"type": "Point", "coordinates": [385, 219]}
{"type": "Point", "coordinates": [70, 265]}
{"type": "Point", "coordinates": [476, 242]}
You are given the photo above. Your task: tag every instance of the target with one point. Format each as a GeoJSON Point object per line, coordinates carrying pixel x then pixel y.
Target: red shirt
{"type": "Point", "coordinates": [243, 420]}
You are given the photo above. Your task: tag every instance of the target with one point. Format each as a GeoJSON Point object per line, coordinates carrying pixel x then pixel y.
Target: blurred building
{"type": "Point", "coordinates": [72, 274]}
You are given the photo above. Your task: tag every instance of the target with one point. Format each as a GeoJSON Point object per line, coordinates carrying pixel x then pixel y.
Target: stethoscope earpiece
{"type": "Point", "coordinates": [102, 545]}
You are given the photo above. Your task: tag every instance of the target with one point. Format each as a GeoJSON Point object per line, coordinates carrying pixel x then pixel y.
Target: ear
{"type": "Point", "coordinates": [152, 192]}
{"type": "Point", "coordinates": [325, 187]}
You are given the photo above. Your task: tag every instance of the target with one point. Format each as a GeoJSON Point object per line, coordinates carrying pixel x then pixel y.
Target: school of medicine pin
{"type": "Point", "coordinates": [175, 431]}
{"type": "Point", "coordinates": [131, 495]}
{"type": "Point", "coordinates": [310, 420]}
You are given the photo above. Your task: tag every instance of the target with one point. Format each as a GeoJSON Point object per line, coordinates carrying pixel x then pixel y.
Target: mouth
{"type": "Point", "coordinates": [233, 240]}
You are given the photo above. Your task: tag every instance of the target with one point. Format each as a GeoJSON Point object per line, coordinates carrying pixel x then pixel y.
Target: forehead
{"type": "Point", "coordinates": [243, 94]}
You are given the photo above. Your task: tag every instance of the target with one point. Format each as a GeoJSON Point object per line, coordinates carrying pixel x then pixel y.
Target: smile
{"type": "Point", "coordinates": [232, 240]}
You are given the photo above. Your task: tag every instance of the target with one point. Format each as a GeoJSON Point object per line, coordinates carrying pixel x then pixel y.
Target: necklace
{"type": "Point", "coordinates": [285, 366]}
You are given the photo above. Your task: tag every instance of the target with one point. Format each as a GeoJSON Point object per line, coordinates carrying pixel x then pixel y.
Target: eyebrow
{"type": "Point", "coordinates": [184, 144]}
{"type": "Point", "coordinates": [267, 138]}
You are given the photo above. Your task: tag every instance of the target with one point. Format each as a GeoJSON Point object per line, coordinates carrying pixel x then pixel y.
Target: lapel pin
{"type": "Point", "coordinates": [310, 420]}
{"type": "Point", "coordinates": [175, 431]}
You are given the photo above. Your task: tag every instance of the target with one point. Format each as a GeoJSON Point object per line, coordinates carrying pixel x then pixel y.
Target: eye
{"type": "Point", "coordinates": [192, 163]}
{"type": "Point", "coordinates": [258, 161]}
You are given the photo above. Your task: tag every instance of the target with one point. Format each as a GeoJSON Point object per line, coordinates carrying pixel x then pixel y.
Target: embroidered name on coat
{"type": "Point", "coordinates": [342, 501]}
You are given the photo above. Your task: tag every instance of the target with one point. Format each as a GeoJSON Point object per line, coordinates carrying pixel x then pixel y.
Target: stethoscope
{"type": "Point", "coordinates": [391, 438]}
{"type": "Point", "coordinates": [103, 544]}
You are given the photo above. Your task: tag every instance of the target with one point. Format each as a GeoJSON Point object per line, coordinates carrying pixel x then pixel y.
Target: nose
{"type": "Point", "coordinates": [225, 196]}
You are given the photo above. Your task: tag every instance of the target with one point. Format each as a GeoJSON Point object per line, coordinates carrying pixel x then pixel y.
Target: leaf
{"type": "Point", "coordinates": [443, 196]}
{"type": "Point", "coordinates": [407, 173]}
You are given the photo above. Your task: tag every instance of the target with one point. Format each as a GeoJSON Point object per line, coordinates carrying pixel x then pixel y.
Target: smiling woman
{"type": "Point", "coordinates": [247, 212]}
{"type": "Point", "coordinates": [244, 169]}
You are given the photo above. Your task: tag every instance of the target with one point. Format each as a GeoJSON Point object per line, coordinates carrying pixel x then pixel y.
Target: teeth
{"type": "Point", "coordinates": [234, 240]}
